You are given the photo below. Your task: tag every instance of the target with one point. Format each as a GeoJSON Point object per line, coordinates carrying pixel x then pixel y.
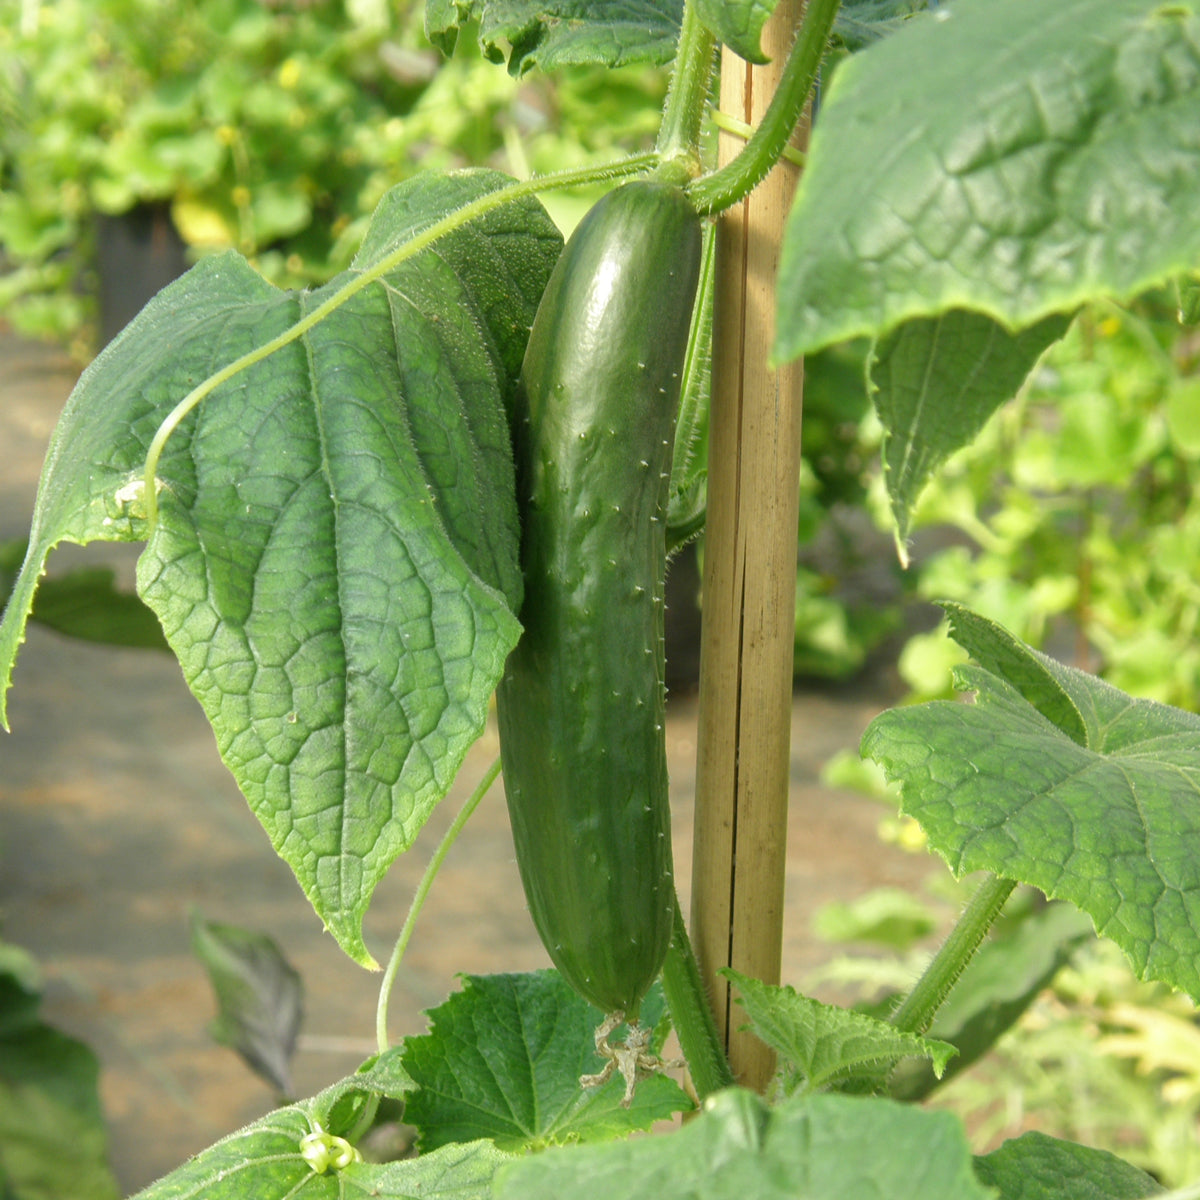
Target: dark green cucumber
{"type": "Point", "coordinates": [581, 704]}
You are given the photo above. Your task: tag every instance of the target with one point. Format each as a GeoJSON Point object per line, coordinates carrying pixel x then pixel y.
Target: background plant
{"type": "Point", "coordinates": [272, 128]}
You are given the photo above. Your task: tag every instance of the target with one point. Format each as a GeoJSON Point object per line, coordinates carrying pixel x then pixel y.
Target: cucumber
{"type": "Point", "coordinates": [581, 703]}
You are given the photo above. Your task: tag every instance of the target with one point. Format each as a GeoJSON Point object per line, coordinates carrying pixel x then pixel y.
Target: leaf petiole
{"type": "Point", "coordinates": [916, 1013]}
{"type": "Point", "coordinates": [419, 897]}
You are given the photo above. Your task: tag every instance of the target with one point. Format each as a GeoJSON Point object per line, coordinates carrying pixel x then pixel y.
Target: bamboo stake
{"type": "Point", "coordinates": [748, 587]}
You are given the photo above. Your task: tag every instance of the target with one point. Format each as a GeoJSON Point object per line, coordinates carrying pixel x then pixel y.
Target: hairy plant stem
{"type": "Point", "coordinates": [419, 896]}
{"type": "Point", "coordinates": [736, 180]}
{"type": "Point", "coordinates": [448, 224]}
{"type": "Point", "coordinates": [916, 1014]}
{"type": "Point", "coordinates": [692, 1014]}
{"type": "Point", "coordinates": [687, 97]}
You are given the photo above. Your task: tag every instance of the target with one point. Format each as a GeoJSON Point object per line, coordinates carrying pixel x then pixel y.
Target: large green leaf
{"type": "Point", "coordinates": [502, 1060]}
{"type": "Point", "coordinates": [1056, 779]}
{"type": "Point", "coordinates": [335, 562]}
{"type": "Point", "coordinates": [935, 382]}
{"type": "Point", "coordinates": [558, 33]}
{"type": "Point", "coordinates": [1037, 1167]}
{"type": "Point", "coordinates": [1016, 159]}
{"type": "Point", "coordinates": [808, 1148]}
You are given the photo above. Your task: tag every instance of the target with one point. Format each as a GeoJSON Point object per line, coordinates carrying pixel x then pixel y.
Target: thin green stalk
{"type": "Point", "coordinates": [692, 1014]}
{"type": "Point", "coordinates": [916, 1014]}
{"type": "Point", "coordinates": [422, 241]}
{"type": "Point", "coordinates": [418, 900]}
{"type": "Point", "coordinates": [728, 123]}
{"type": "Point", "coordinates": [693, 397]}
{"type": "Point", "coordinates": [687, 97]}
{"type": "Point", "coordinates": [736, 180]}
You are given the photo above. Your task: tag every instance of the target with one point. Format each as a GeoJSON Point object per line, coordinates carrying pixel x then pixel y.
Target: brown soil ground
{"type": "Point", "coordinates": [117, 818]}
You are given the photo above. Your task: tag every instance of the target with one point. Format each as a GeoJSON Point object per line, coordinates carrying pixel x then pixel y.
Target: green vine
{"type": "Point", "coordinates": [736, 180]}
{"type": "Point", "coordinates": [419, 897]}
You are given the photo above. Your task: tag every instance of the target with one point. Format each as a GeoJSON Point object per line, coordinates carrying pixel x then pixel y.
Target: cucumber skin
{"type": "Point", "coordinates": [581, 706]}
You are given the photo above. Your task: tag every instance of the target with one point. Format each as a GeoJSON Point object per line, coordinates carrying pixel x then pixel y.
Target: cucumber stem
{"type": "Point", "coordinates": [419, 897]}
{"type": "Point", "coordinates": [916, 1013]}
{"type": "Point", "coordinates": [692, 1014]}
{"type": "Point", "coordinates": [687, 97]}
{"type": "Point", "coordinates": [736, 180]}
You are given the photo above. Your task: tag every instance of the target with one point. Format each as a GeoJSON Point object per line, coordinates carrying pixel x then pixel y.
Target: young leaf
{"type": "Point", "coordinates": [503, 1058]}
{"type": "Point", "coordinates": [820, 1045]}
{"type": "Point", "coordinates": [1037, 1167]}
{"type": "Point", "coordinates": [259, 997]}
{"type": "Point", "coordinates": [1055, 779]}
{"type": "Point", "coordinates": [335, 561]}
{"type": "Point", "coordinates": [558, 33]}
{"type": "Point", "coordinates": [808, 1148]}
{"type": "Point", "coordinates": [990, 157]}
{"type": "Point", "coordinates": [301, 1153]}
{"type": "Point", "coordinates": [935, 382]}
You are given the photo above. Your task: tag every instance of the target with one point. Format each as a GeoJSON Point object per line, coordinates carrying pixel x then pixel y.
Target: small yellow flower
{"type": "Point", "coordinates": [289, 73]}
{"type": "Point", "coordinates": [240, 196]}
{"type": "Point", "coordinates": [226, 135]}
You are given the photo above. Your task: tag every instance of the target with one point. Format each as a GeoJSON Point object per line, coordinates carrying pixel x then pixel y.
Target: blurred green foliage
{"type": "Point", "coordinates": [270, 126]}
{"type": "Point", "coordinates": [1074, 520]}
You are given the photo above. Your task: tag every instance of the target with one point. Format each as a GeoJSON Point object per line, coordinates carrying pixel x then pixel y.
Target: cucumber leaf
{"type": "Point", "coordinates": [738, 24]}
{"type": "Point", "coordinates": [1056, 779]}
{"type": "Point", "coordinates": [335, 563]}
{"type": "Point", "coordinates": [861, 22]}
{"type": "Point", "coordinates": [820, 1045]}
{"type": "Point", "coordinates": [1037, 1167]}
{"type": "Point", "coordinates": [935, 382]}
{"type": "Point", "coordinates": [557, 33]}
{"type": "Point", "coordinates": [260, 997]}
{"type": "Point", "coordinates": [266, 1159]}
{"type": "Point", "coordinates": [823, 1147]}
{"type": "Point", "coordinates": [991, 158]}
{"type": "Point", "coordinates": [503, 1058]}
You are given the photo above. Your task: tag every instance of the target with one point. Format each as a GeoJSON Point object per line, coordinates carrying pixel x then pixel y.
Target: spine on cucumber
{"type": "Point", "coordinates": [581, 704]}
